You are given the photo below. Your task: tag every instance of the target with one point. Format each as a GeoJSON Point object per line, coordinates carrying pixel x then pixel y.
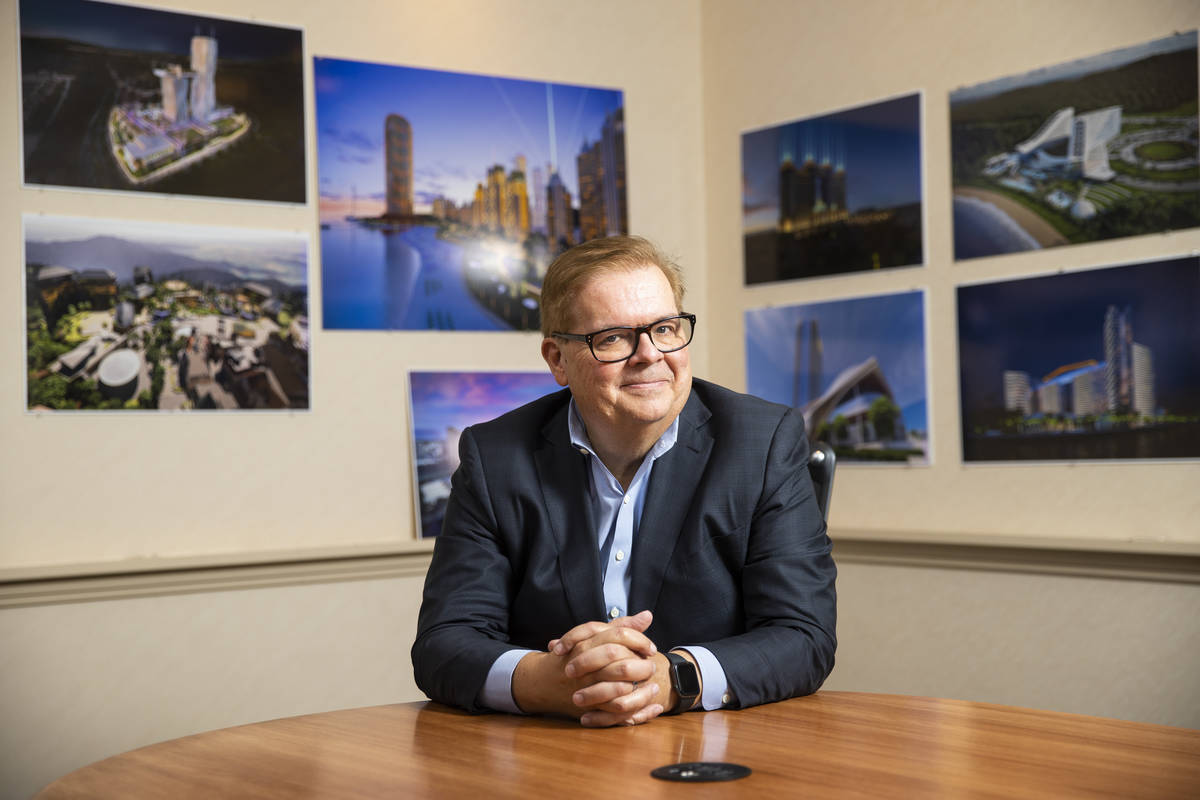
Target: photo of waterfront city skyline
{"type": "Point", "coordinates": [444, 195]}
{"type": "Point", "coordinates": [129, 316]}
{"type": "Point", "coordinates": [834, 193]}
{"type": "Point", "coordinates": [1097, 148]}
{"type": "Point", "coordinates": [1096, 364]}
{"type": "Point", "coordinates": [855, 368]}
{"type": "Point", "coordinates": [442, 405]}
{"type": "Point", "coordinates": [127, 98]}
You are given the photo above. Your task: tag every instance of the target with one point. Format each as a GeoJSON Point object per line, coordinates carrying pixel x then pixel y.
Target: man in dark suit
{"type": "Point", "coordinates": [635, 489]}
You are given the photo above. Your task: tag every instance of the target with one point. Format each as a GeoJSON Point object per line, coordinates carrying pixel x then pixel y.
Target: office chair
{"type": "Point", "coordinates": [821, 464]}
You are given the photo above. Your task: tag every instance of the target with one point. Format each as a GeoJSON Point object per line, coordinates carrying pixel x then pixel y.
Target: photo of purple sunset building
{"type": "Point", "coordinates": [443, 404]}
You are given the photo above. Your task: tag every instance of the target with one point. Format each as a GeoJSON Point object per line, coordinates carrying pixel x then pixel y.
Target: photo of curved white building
{"type": "Point", "coordinates": [1034, 167]}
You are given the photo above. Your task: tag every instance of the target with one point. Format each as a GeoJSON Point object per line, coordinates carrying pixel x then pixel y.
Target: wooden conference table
{"type": "Point", "coordinates": [832, 744]}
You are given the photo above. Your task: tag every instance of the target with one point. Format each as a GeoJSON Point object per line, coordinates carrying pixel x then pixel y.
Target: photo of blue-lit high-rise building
{"type": "Point", "coordinates": [855, 368]}
{"type": "Point", "coordinates": [1096, 364]}
{"type": "Point", "coordinates": [445, 195]}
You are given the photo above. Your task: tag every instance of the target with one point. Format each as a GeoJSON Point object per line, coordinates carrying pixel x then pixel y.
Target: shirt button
{"type": "Point", "coordinates": [620, 555]}
{"type": "Point", "coordinates": [584, 450]}
{"type": "Point", "coordinates": [725, 698]}
{"type": "Point", "coordinates": [614, 612]}
{"type": "Point", "coordinates": [625, 499]}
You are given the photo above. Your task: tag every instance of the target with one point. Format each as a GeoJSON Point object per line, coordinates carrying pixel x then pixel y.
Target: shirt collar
{"type": "Point", "coordinates": [579, 437]}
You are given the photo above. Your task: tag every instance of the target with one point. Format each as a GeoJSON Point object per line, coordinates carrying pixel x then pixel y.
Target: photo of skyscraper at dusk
{"type": "Point", "coordinates": [1098, 364]}
{"type": "Point", "coordinates": [444, 196]}
{"type": "Point", "coordinates": [855, 368]}
{"type": "Point", "coordinates": [126, 98]}
{"type": "Point", "coordinates": [443, 404]}
{"type": "Point", "coordinates": [833, 194]}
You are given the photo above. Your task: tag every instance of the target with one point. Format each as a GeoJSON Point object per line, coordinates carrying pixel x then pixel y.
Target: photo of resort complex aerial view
{"type": "Point", "coordinates": [444, 196]}
{"type": "Point", "coordinates": [127, 98]}
{"type": "Point", "coordinates": [443, 404]}
{"type": "Point", "coordinates": [855, 368]}
{"type": "Point", "coordinates": [1097, 364]}
{"type": "Point", "coordinates": [1093, 149]}
{"type": "Point", "coordinates": [833, 194]}
{"type": "Point", "coordinates": [138, 316]}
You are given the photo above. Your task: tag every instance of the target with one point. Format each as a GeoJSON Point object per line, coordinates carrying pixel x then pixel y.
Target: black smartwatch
{"type": "Point", "coordinates": [685, 680]}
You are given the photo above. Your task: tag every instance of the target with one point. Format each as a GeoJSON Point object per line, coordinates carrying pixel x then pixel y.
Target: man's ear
{"type": "Point", "coordinates": [553, 355]}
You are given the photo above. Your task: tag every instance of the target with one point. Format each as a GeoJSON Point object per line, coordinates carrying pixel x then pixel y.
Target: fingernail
{"type": "Point", "coordinates": [571, 670]}
{"type": "Point", "coordinates": [653, 688]}
{"type": "Point", "coordinates": [559, 649]}
{"type": "Point", "coordinates": [577, 698]}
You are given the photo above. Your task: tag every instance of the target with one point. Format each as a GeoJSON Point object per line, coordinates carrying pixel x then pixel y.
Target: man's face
{"type": "Point", "coordinates": [647, 390]}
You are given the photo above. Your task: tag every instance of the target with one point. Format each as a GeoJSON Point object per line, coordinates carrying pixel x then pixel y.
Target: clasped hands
{"type": "Point", "coordinates": [603, 673]}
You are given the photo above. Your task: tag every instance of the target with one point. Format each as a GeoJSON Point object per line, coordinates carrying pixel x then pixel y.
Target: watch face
{"type": "Point", "coordinates": [687, 682]}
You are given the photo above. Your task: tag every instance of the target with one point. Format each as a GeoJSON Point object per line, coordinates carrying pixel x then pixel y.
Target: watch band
{"type": "Point", "coordinates": [685, 680]}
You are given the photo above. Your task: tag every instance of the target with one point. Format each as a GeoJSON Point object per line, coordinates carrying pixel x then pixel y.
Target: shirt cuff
{"type": "Point", "coordinates": [716, 687]}
{"type": "Point", "coordinates": [497, 689]}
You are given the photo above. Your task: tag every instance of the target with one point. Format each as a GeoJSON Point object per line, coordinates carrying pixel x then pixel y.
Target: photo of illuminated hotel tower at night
{"type": "Point", "coordinates": [812, 193]}
{"type": "Point", "coordinates": [1121, 384]}
{"type": "Point", "coordinates": [152, 141]}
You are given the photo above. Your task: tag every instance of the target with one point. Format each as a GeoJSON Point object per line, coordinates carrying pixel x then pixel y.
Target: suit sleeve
{"type": "Point", "coordinates": [788, 595]}
{"type": "Point", "coordinates": [462, 627]}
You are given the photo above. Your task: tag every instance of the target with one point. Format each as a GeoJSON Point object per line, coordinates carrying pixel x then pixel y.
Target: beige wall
{"type": "Point", "coordinates": [83, 680]}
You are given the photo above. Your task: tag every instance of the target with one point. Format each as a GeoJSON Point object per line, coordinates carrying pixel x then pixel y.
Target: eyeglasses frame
{"type": "Point", "coordinates": [638, 330]}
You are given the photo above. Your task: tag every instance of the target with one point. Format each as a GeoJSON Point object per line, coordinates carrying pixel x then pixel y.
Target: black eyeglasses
{"type": "Point", "coordinates": [617, 344]}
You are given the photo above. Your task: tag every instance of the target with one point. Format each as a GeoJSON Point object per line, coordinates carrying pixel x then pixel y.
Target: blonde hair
{"type": "Point", "coordinates": [569, 272]}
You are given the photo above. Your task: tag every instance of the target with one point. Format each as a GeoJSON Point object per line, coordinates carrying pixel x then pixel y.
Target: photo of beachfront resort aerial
{"type": "Point", "coordinates": [1096, 364]}
{"type": "Point", "coordinates": [444, 196]}
{"type": "Point", "coordinates": [1098, 148]}
{"type": "Point", "coordinates": [442, 405]}
{"type": "Point", "coordinates": [855, 368]}
{"type": "Point", "coordinates": [833, 194]}
{"type": "Point", "coordinates": [126, 315]}
{"type": "Point", "coordinates": [127, 98]}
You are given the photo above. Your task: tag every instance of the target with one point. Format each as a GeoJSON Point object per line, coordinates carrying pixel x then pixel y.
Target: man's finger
{"type": "Point", "coordinates": [605, 719]}
{"type": "Point", "coordinates": [638, 622]}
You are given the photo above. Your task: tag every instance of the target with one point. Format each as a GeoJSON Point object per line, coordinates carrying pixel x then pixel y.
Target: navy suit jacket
{"type": "Point", "coordinates": [731, 552]}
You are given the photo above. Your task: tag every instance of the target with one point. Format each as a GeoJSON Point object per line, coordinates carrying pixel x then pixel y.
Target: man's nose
{"type": "Point", "coordinates": [645, 349]}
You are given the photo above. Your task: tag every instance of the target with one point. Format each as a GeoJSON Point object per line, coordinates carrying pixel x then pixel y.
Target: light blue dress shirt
{"type": "Point", "coordinates": [617, 514]}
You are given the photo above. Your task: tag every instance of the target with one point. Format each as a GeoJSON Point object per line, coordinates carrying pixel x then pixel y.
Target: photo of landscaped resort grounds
{"type": "Point", "coordinates": [139, 316]}
{"type": "Point", "coordinates": [1098, 148]}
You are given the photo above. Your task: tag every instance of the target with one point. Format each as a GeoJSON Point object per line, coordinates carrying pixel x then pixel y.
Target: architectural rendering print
{"type": "Point", "coordinates": [1093, 149]}
{"type": "Point", "coordinates": [121, 97]}
{"type": "Point", "coordinates": [1099, 364]}
{"type": "Point", "coordinates": [443, 404]}
{"type": "Point", "coordinates": [444, 196]}
{"type": "Point", "coordinates": [855, 368]}
{"type": "Point", "coordinates": [138, 316]}
{"type": "Point", "coordinates": [833, 194]}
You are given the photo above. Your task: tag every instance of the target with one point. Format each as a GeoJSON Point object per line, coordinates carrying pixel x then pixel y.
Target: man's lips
{"type": "Point", "coordinates": [644, 383]}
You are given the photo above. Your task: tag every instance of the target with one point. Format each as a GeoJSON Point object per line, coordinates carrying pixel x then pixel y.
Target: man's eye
{"type": "Point", "coordinates": [609, 339]}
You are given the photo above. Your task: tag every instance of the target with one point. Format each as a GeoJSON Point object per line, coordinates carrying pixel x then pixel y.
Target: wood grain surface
{"type": "Point", "coordinates": [832, 744]}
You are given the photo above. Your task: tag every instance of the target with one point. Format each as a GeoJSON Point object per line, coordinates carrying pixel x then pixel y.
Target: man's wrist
{"type": "Point", "coordinates": [686, 684]}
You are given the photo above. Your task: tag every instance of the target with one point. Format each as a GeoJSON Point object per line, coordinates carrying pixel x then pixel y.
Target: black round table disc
{"type": "Point", "coordinates": [701, 771]}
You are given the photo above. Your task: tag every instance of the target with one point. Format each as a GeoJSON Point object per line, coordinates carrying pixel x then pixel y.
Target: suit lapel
{"type": "Point", "coordinates": [564, 480]}
{"type": "Point", "coordinates": [669, 496]}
